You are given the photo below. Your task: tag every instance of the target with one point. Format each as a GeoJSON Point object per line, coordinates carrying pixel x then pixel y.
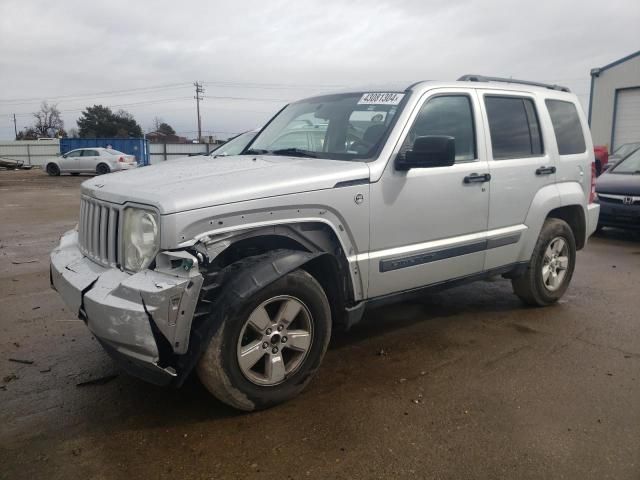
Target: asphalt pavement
{"type": "Point", "coordinates": [464, 383]}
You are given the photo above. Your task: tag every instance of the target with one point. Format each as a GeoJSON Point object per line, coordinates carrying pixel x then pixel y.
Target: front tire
{"type": "Point", "coordinates": [267, 351]}
{"type": "Point", "coordinates": [53, 170]}
{"type": "Point", "coordinates": [102, 169]}
{"type": "Point", "coordinates": [551, 266]}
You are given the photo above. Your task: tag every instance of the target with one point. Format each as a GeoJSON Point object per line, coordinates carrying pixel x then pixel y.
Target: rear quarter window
{"type": "Point", "coordinates": [566, 126]}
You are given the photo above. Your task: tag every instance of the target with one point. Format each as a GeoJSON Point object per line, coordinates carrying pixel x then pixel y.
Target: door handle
{"type": "Point", "coordinates": [477, 178]}
{"type": "Point", "coordinates": [545, 170]}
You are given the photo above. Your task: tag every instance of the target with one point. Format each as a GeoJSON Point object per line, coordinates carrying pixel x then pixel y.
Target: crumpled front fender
{"type": "Point", "coordinates": [240, 281]}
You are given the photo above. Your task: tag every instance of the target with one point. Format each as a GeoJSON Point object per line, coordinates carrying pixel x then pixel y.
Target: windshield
{"type": "Point", "coordinates": [631, 164]}
{"type": "Point", "coordinates": [234, 146]}
{"type": "Point", "coordinates": [348, 126]}
{"type": "Point", "coordinates": [624, 150]}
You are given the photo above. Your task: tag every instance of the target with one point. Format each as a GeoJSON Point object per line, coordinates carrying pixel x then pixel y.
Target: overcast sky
{"type": "Point", "coordinates": [264, 53]}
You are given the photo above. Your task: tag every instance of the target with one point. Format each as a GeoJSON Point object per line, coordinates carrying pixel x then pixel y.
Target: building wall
{"type": "Point", "coordinates": [623, 75]}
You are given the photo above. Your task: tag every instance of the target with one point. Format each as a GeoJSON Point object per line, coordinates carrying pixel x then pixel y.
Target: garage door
{"type": "Point", "coordinates": [627, 121]}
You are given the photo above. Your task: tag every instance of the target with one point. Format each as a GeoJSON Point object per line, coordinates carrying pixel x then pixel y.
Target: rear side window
{"type": "Point", "coordinates": [514, 127]}
{"type": "Point", "coordinates": [90, 153]}
{"type": "Point", "coordinates": [566, 125]}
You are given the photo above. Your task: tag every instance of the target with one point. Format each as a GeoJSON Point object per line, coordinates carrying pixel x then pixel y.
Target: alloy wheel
{"type": "Point", "coordinates": [555, 264]}
{"type": "Point", "coordinates": [275, 340]}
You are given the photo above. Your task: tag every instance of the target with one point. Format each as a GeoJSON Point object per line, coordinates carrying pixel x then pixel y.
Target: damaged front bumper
{"type": "Point", "coordinates": [142, 320]}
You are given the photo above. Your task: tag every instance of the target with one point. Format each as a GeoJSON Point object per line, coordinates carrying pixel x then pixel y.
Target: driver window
{"type": "Point", "coordinates": [450, 115]}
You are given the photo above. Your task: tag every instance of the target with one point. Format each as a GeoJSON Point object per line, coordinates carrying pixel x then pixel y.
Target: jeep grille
{"type": "Point", "coordinates": [98, 231]}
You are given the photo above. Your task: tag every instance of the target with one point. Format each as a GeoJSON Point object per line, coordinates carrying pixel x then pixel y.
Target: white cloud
{"type": "Point", "coordinates": [77, 47]}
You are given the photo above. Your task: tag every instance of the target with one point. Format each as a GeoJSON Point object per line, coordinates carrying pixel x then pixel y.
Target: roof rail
{"type": "Point", "coordinates": [482, 78]}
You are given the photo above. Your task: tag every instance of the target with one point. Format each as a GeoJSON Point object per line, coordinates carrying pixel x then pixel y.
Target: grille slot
{"type": "Point", "coordinates": [98, 231]}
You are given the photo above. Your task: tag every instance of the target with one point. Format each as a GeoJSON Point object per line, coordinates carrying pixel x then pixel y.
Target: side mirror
{"type": "Point", "coordinates": [428, 152]}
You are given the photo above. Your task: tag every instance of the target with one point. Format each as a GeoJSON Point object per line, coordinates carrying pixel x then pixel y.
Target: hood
{"type": "Point", "coordinates": [197, 182]}
{"type": "Point", "coordinates": [618, 184]}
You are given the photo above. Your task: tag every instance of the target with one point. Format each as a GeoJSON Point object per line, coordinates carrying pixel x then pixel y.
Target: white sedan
{"type": "Point", "coordinates": [90, 160]}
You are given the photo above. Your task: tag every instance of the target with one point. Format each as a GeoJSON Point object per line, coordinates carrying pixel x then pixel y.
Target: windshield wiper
{"type": "Point", "coordinates": [255, 151]}
{"type": "Point", "coordinates": [294, 152]}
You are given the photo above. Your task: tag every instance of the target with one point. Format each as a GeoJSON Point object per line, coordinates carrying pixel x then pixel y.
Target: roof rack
{"type": "Point", "coordinates": [482, 78]}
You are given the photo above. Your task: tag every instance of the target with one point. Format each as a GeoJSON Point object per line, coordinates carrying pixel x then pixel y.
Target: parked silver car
{"type": "Point", "coordinates": [242, 267]}
{"type": "Point", "coordinates": [90, 160]}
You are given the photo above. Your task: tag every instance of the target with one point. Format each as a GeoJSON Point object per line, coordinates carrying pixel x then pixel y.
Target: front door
{"type": "Point", "coordinates": [70, 161]}
{"type": "Point", "coordinates": [428, 225]}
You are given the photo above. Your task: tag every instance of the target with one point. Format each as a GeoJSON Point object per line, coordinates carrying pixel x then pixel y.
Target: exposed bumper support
{"type": "Point", "coordinates": [138, 317]}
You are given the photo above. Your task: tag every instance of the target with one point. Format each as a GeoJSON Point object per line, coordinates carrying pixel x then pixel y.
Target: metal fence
{"type": "Point", "coordinates": [159, 152]}
{"type": "Point", "coordinates": [33, 152]}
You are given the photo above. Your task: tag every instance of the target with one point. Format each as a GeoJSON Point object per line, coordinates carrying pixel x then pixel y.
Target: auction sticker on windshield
{"type": "Point", "coordinates": [378, 98]}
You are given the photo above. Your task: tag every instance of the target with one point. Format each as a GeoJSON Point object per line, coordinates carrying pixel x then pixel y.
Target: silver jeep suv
{"type": "Point", "coordinates": [240, 267]}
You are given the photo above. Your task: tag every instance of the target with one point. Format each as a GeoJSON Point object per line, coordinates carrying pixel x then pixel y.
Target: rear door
{"type": "Point", "coordinates": [574, 150]}
{"type": "Point", "coordinates": [520, 165]}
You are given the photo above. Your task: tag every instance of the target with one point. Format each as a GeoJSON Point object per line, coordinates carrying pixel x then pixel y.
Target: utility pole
{"type": "Point", "coordinates": [199, 90]}
{"type": "Point", "coordinates": [15, 128]}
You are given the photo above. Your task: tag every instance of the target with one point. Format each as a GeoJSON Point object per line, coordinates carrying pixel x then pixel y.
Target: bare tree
{"type": "Point", "coordinates": [157, 121]}
{"type": "Point", "coordinates": [48, 122]}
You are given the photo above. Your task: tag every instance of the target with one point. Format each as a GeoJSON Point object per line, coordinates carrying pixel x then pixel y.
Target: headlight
{"type": "Point", "coordinates": [141, 238]}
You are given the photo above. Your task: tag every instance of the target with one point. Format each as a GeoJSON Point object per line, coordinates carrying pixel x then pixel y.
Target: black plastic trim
{"type": "Point", "coordinates": [352, 183]}
{"type": "Point", "coordinates": [503, 241]}
{"type": "Point", "coordinates": [239, 281]}
{"type": "Point", "coordinates": [442, 254]}
{"type": "Point", "coordinates": [431, 256]}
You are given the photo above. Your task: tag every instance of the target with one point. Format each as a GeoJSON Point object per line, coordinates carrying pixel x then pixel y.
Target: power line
{"type": "Point", "coordinates": [18, 101]}
{"type": "Point", "coordinates": [114, 105]}
{"type": "Point", "coordinates": [152, 88]}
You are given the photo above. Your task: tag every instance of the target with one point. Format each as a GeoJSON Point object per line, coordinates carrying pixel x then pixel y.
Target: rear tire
{"type": "Point", "coordinates": [102, 169]}
{"type": "Point", "coordinates": [53, 170]}
{"type": "Point", "coordinates": [551, 266]}
{"type": "Point", "coordinates": [252, 368]}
